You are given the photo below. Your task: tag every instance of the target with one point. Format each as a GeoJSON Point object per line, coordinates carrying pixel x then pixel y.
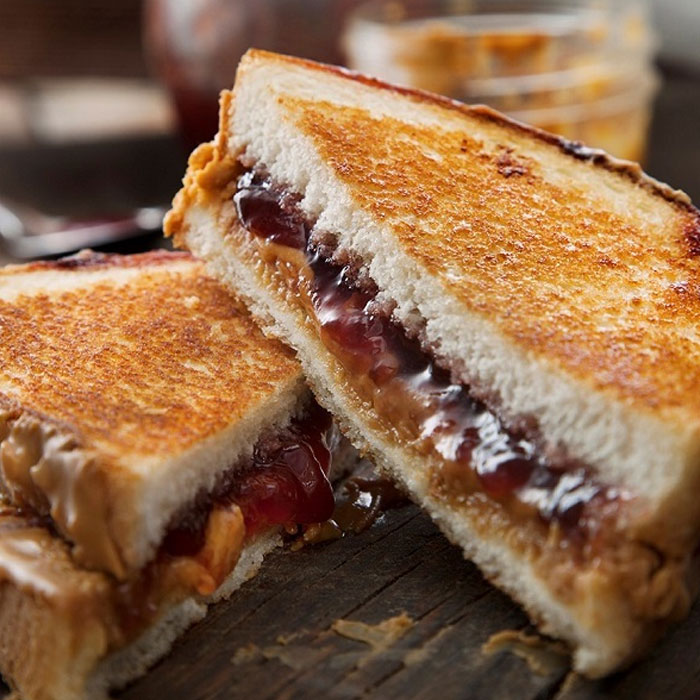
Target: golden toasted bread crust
{"type": "Point", "coordinates": [217, 150]}
{"type": "Point", "coordinates": [574, 149]}
{"type": "Point", "coordinates": [93, 260]}
{"type": "Point", "coordinates": [143, 368]}
{"type": "Point", "coordinates": [110, 368]}
{"type": "Point", "coordinates": [588, 268]}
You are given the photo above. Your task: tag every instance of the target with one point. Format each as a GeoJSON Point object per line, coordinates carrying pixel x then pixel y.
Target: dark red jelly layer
{"type": "Point", "coordinates": [462, 430]}
{"type": "Point", "coordinates": [288, 484]}
{"type": "Point", "coordinates": [284, 481]}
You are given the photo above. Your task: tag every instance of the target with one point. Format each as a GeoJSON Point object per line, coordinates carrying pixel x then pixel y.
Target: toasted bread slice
{"type": "Point", "coordinates": [554, 285]}
{"type": "Point", "coordinates": [127, 386]}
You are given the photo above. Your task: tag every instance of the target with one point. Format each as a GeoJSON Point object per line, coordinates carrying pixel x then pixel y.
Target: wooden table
{"type": "Point", "coordinates": [275, 638]}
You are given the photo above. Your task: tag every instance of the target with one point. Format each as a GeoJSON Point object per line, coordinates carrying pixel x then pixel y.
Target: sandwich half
{"type": "Point", "coordinates": [153, 444]}
{"type": "Point", "coordinates": [506, 322]}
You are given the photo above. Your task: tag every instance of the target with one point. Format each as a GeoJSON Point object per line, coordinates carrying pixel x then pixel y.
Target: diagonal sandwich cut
{"type": "Point", "coordinates": [506, 322]}
{"type": "Point", "coordinates": [153, 445]}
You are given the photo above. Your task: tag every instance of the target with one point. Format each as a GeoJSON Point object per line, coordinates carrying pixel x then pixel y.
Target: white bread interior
{"type": "Point", "coordinates": [654, 454]}
{"type": "Point", "coordinates": [161, 492]}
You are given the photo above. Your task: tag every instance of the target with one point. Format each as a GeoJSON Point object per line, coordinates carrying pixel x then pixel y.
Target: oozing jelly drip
{"type": "Point", "coordinates": [289, 484]}
{"type": "Point", "coordinates": [284, 482]}
{"type": "Point", "coordinates": [432, 408]}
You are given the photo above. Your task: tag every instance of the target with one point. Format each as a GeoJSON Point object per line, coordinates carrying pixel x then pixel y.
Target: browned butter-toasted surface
{"type": "Point", "coordinates": [138, 356]}
{"type": "Point", "coordinates": [609, 297]}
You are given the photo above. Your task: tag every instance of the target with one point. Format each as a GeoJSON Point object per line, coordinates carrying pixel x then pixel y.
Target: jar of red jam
{"type": "Point", "coordinates": [194, 45]}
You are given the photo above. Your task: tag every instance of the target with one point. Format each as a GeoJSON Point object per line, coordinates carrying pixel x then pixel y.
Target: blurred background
{"type": "Point", "coordinates": [101, 101]}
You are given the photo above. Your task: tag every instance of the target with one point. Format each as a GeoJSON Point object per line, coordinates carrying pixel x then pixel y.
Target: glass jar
{"type": "Point", "coordinates": [194, 45]}
{"type": "Point", "coordinates": [580, 68]}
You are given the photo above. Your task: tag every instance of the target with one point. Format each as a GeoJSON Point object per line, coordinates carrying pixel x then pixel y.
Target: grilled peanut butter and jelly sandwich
{"type": "Point", "coordinates": [506, 322]}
